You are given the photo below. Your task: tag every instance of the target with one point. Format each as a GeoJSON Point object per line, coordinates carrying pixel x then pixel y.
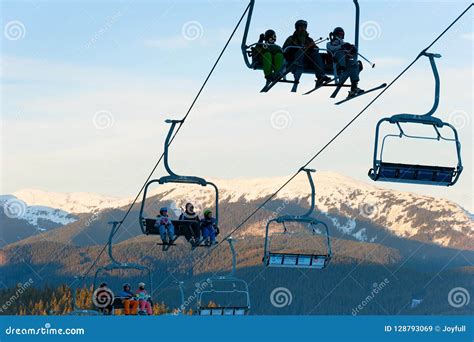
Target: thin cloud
{"type": "Point", "coordinates": [468, 36]}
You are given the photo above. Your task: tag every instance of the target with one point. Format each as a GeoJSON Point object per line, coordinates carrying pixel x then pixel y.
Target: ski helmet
{"type": "Point", "coordinates": [270, 34]}
{"type": "Point", "coordinates": [300, 23]}
{"type": "Point", "coordinates": [339, 32]}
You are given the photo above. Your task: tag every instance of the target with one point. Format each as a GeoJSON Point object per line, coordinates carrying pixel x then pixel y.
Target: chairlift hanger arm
{"type": "Point", "coordinates": [131, 266]}
{"type": "Point", "coordinates": [426, 118]}
{"type": "Point", "coordinates": [230, 240]}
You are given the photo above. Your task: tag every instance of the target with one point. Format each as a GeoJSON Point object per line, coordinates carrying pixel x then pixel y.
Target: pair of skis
{"type": "Point", "coordinates": [282, 78]}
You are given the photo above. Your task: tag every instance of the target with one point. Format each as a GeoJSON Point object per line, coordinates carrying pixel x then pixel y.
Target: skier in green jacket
{"type": "Point", "coordinates": [272, 56]}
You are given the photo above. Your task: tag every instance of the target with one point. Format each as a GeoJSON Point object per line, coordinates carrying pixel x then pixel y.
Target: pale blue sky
{"type": "Point", "coordinates": [130, 59]}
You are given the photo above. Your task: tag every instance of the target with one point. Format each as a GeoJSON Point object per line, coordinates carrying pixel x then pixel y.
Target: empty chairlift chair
{"type": "Point", "coordinates": [274, 258]}
{"type": "Point", "coordinates": [224, 295]}
{"type": "Point", "coordinates": [189, 229]}
{"type": "Point", "coordinates": [413, 173]}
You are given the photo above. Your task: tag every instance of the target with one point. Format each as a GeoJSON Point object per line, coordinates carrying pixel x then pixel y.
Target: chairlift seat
{"type": "Point", "coordinates": [418, 174]}
{"type": "Point", "coordinates": [317, 261]}
{"type": "Point", "coordinates": [187, 228]}
{"type": "Point", "coordinates": [257, 61]}
{"type": "Point", "coordinates": [223, 311]}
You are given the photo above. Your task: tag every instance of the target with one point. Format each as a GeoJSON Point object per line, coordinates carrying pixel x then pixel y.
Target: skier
{"type": "Point", "coordinates": [345, 56]}
{"type": "Point", "coordinates": [306, 55]}
{"type": "Point", "coordinates": [192, 235]}
{"type": "Point", "coordinates": [165, 226]}
{"type": "Point", "coordinates": [272, 56]}
{"type": "Point", "coordinates": [209, 228]}
{"type": "Point", "coordinates": [143, 299]}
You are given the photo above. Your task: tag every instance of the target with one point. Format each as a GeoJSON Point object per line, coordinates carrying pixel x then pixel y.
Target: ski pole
{"type": "Point", "coordinates": [371, 64]}
{"type": "Point", "coordinates": [320, 40]}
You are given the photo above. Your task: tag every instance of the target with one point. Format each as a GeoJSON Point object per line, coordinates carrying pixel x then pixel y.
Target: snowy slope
{"type": "Point", "coordinates": [351, 206]}
{"type": "Point", "coordinates": [76, 202]}
{"type": "Point", "coordinates": [41, 217]}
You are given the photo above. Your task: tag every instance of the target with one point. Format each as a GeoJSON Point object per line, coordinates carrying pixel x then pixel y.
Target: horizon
{"type": "Point", "coordinates": [301, 181]}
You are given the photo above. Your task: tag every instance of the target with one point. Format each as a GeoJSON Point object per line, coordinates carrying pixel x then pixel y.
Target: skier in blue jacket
{"type": "Point", "coordinates": [209, 228]}
{"type": "Point", "coordinates": [344, 55]}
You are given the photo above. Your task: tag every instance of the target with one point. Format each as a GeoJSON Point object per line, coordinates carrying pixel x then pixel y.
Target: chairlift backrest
{"type": "Point", "coordinates": [239, 287]}
{"type": "Point", "coordinates": [410, 173]}
{"type": "Point", "coordinates": [283, 259]}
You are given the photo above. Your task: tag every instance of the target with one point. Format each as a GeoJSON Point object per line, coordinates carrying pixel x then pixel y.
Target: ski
{"type": "Point", "coordinates": [282, 79]}
{"type": "Point", "coordinates": [383, 85]}
{"type": "Point", "coordinates": [339, 86]}
{"type": "Point", "coordinates": [319, 86]}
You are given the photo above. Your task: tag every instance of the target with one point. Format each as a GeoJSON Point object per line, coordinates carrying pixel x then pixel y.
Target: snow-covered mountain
{"type": "Point", "coordinates": [354, 208]}
{"type": "Point", "coordinates": [74, 203]}
{"type": "Point", "coordinates": [19, 220]}
{"type": "Point", "coordinates": [39, 216]}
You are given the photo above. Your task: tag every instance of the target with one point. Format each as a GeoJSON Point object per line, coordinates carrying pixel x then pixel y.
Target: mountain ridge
{"type": "Point", "coordinates": [351, 207]}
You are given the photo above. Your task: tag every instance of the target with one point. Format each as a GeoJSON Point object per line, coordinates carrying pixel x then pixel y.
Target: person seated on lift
{"type": "Point", "coordinates": [209, 228]}
{"type": "Point", "coordinates": [128, 300]}
{"type": "Point", "coordinates": [345, 56]}
{"type": "Point", "coordinates": [165, 226]}
{"type": "Point", "coordinates": [307, 56]}
{"type": "Point", "coordinates": [190, 215]}
{"type": "Point", "coordinates": [272, 56]}
{"type": "Point", "coordinates": [143, 299]}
